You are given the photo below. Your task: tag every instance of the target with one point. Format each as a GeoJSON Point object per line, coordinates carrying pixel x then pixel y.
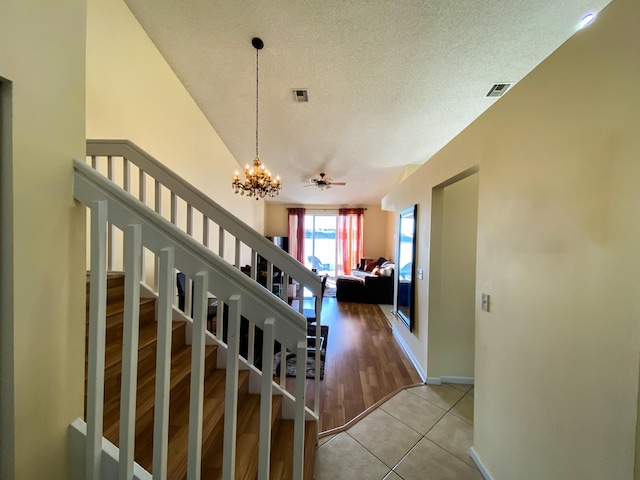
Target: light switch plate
{"type": "Point", "coordinates": [485, 302]}
{"type": "Point", "coordinates": [419, 274]}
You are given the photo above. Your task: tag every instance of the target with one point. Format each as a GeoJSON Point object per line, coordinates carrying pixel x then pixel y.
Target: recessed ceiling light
{"type": "Point", "coordinates": [587, 19]}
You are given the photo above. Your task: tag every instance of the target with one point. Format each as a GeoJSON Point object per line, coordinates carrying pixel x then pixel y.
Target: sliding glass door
{"type": "Point", "coordinates": [320, 243]}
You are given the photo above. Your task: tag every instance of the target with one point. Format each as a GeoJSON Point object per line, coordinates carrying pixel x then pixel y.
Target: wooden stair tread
{"type": "Point", "coordinates": [145, 397]}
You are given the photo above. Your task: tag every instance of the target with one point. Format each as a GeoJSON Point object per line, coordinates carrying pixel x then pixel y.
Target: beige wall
{"type": "Point", "coordinates": [452, 287]}
{"type": "Point", "coordinates": [375, 225]}
{"type": "Point", "coordinates": [42, 242]}
{"type": "Point", "coordinates": [132, 93]}
{"type": "Point", "coordinates": [558, 231]}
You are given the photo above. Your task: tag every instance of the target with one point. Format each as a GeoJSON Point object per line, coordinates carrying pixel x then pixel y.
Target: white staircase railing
{"type": "Point", "coordinates": [143, 229]}
{"type": "Point", "coordinates": [125, 161]}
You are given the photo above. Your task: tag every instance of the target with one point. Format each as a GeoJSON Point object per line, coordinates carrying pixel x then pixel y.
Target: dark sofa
{"type": "Point", "coordinates": [367, 284]}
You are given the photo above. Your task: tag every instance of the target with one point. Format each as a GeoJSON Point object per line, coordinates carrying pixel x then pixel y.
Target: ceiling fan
{"type": "Point", "coordinates": [323, 182]}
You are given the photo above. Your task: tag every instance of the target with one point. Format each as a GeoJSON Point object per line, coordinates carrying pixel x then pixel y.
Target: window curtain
{"type": "Point", "coordinates": [349, 235]}
{"type": "Point", "coordinates": [296, 233]}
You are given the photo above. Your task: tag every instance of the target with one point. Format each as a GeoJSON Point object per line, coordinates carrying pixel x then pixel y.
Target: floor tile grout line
{"type": "Point", "coordinates": [396, 464]}
{"type": "Point", "coordinates": [450, 453]}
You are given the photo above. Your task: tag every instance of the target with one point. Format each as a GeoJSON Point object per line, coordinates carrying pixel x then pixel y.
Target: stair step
{"type": "Point", "coordinates": [248, 423]}
{"type": "Point", "coordinates": [282, 450]}
{"type": "Point", "coordinates": [179, 381]}
{"type": "Point", "coordinates": [247, 440]}
{"type": "Point", "coordinates": [212, 425]}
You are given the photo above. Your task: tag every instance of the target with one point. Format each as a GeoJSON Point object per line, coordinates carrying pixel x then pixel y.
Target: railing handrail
{"type": "Point", "coordinates": [258, 303]}
{"type": "Point", "coordinates": [208, 207]}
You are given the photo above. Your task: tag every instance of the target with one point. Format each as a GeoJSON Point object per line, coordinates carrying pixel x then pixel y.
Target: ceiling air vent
{"type": "Point", "coordinates": [301, 96]}
{"type": "Point", "coordinates": [498, 89]}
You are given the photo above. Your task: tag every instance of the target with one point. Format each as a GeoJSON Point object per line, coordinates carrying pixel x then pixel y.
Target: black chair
{"type": "Point", "coordinates": [310, 313]}
{"type": "Point", "coordinates": [212, 307]}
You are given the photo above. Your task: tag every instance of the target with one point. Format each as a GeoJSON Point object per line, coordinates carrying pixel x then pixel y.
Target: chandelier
{"type": "Point", "coordinates": [256, 181]}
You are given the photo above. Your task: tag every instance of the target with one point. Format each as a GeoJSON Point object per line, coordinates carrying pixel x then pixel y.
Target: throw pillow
{"type": "Point", "coordinates": [375, 271]}
{"type": "Point", "coordinates": [370, 264]}
{"type": "Point", "coordinates": [386, 271]}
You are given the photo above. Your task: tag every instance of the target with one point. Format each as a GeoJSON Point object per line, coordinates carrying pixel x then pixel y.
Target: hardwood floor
{"type": "Point", "coordinates": [364, 363]}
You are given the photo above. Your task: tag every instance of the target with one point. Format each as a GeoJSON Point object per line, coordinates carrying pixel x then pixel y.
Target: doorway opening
{"type": "Point", "coordinates": [452, 286]}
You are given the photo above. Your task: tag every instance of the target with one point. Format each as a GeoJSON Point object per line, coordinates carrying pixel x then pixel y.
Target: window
{"type": "Point", "coordinates": [320, 243]}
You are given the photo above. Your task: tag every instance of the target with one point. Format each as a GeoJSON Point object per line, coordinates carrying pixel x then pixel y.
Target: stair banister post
{"type": "Point", "coordinates": [196, 396]}
{"type": "Point", "coordinates": [231, 389]}
{"type": "Point", "coordinates": [266, 400]}
{"type": "Point", "coordinates": [163, 364]}
{"type": "Point", "coordinates": [97, 337]}
{"type": "Point", "coordinates": [128, 388]}
{"type": "Point", "coordinates": [298, 426]}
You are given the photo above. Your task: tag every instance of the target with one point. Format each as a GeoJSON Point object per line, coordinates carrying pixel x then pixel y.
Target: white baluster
{"type": "Point", "coordinates": [174, 208]}
{"type": "Point", "coordinates": [298, 426]}
{"type": "Point", "coordinates": [132, 253]}
{"type": "Point", "coordinates": [231, 389]}
{"type": "Point", "coordinates": [142, 196]}
{"type": "Point", "coordinates": [201, 281]}
{"type": "Point", "coordinates": [205, 231]}
{"type": "Point", "coordinates": [221, 242]}
{"type": "Point", "coordinates": [163, 365]}
{"type": "Point", "coordinates": [158, 197]}
{"type": "Point", "coordinates": [142, 187]}
{"type": "Point", "coordinates": [237, 253]}
{"type": "Point", "coordinates": [111, 247]}
{"type": "Point", "coordinates": [283, 367]}
{"type": "Point", "coordinates": [97, 335]}
{"type": "Point", "coordinates": [266, 391]}
{"type": "Point", "coordinates": [158, 209]}
{"type": "Point", "coordinates": [126, 175]}
{"type": "Point", "coordinates": [251, 341]}
{"type": "Point", "coordinates": [188, 295]}
{"type": "Point", "coordinates": [94, 162]}
{"type": "Point", "coordinates": [270, 276]}
{"type": "Point", "coordinates": [189, 220]}
{"type": "Point", "coordinates": [316, 396]}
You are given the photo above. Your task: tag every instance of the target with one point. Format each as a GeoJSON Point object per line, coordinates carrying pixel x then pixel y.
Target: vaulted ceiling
{"type": "Point", "coordinates": [389, 82]}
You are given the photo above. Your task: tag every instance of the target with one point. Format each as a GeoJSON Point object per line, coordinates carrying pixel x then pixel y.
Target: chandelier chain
{"type": "Point", "coordinates": [257, 93]}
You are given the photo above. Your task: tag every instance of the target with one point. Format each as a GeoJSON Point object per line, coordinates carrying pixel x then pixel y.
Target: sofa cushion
{"type": "Point", "coordinates": [386, 271]}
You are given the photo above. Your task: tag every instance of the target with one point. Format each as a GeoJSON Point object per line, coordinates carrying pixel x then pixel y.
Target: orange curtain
{"type": "Point", "coordinates": [349, 236]}
{"type": "Point", "coordinates": [296, 233]}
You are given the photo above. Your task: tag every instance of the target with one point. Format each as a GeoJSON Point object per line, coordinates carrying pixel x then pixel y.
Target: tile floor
{"type": "Point", "coordinates": [421, 433]}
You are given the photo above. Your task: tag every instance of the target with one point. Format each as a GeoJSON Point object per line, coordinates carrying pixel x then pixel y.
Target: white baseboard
{"type": "Point", "coordinates": [480, 464]}
{"type": "Point", "coordinates": [433, 381]}
{"type": "Point", "coordinates": [409, 353]}
{"type": "Point", "coordinates": [460, 380]}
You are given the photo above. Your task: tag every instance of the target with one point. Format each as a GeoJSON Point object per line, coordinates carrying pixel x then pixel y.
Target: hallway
{"type": "Point", "coordinates": [423, 432]}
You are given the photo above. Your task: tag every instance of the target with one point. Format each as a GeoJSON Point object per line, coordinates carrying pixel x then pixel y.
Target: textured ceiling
{"type": "Point", "coordinates": [390, 82]}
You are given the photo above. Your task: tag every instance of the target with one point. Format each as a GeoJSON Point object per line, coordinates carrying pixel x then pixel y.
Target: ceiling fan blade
{"type": "Point", "coordinates": [339, 183]}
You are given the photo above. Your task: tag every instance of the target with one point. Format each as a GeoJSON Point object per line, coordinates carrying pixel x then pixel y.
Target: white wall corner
{"type": "Point", "coordinates": [480, 464]}
{"type": "Point", "coordinates": [412, 357]}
